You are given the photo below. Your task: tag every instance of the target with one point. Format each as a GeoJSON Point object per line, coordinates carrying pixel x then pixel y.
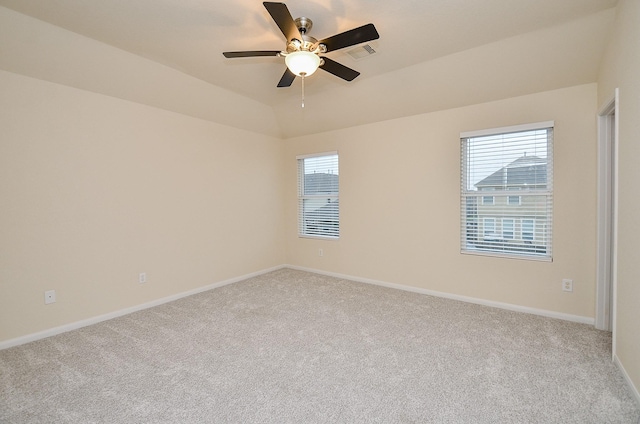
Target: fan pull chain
{"type": "Point", "coordinates": [302, 75]}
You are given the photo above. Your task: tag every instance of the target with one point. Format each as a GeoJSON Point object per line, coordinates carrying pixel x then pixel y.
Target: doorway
{"type": "Point", "coordinates": [607, 215]}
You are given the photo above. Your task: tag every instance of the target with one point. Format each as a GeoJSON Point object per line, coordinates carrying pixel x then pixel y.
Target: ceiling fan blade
{"type": "Point", "coordinates": [252, 53]}
{"type": "Point", "coordinates": [352, 37]}
{"type": "Point", "coordinates": [283, 19]}
{"type": "Point", "coordinates": [287, 78]}
{"type": "Point", "coordinates": [339, 69]}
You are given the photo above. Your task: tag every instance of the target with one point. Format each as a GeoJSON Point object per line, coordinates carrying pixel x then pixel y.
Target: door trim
{"type": "Point", "coordinates": [607, 214]}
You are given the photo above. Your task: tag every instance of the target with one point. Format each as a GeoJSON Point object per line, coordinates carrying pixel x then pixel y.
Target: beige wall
{"type": "Point", "coordinates": [621, 68]}
{"type": "Point", "coordinates": [96, 190]}
{"type": "Point", "coordinates": [400, 197]}
{"type": "Point", "coordinates": [40, 50]}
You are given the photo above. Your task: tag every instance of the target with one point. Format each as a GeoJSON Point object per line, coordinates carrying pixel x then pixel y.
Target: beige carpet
{"type": "Point", "coordinates": [296, 347]}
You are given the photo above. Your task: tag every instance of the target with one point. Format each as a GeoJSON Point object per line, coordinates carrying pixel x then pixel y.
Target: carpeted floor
{"type": "Point", "coordinates": [296, 347]}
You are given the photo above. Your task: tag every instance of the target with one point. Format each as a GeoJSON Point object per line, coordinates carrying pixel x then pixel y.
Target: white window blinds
{"type": "Point", "coordinates": [507, 191]}
{"type": "Point", "coordinates": [318, 190]}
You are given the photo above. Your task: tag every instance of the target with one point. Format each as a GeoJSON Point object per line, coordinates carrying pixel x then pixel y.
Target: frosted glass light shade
{"type": "Point", "coordinates": [302, 62]}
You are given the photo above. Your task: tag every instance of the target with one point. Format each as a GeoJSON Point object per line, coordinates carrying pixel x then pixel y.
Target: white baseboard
{"type": "Point", "coordinates": [632, 387]}
{"type": "Point", "coordinates": [94, 320]}
{"type": "Point", "coordinates": [507, 306]}
{"type": "Point", "coordinates": [115, 314]}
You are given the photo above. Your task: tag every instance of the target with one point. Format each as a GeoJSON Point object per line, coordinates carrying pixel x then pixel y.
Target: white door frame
{"type": "Point", "coordinates": [607, 215]}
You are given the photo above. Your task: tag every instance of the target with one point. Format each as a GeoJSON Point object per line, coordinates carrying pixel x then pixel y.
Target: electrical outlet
{"type": "Point", "coordinates": [142, 277]}
{"type": "Point", "coordinates": [49, 297]}
{"type": "Point", "coordinates": [320, 252]}
{"type": "Point", "coordinates": [567, 285]}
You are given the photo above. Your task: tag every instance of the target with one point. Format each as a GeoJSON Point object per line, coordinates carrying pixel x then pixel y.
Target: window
{"type": "Point", "coordinates": [514, 200]}
{"type": "Point", "coordinates": [318, 211]}
{"type": "Point", "coordinates": [528, 228]}
{"type": "Point", "coordinates": [487, 200]}
{"type": "Point", "coordinates": [489, 227]}
{"type": "Point", "coordinates": [503, 160]}
{"type": "Point", "coordinates": [508, 229]}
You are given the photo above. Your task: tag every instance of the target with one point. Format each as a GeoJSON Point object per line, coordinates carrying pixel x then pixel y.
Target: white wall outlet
{"type": "Point", "coordinates": [567, 285]}
{"type": "Point", "coordinates": [49, 297]}
{"type": "Point", "coordinates": [320, 252]}
{"type": "Point", "coordinates": [142, 277]}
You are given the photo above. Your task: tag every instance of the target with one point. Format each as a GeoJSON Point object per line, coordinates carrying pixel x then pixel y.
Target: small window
{"type": "Point", "coordinates": [502, 161]}
{"type": "Point", "coordinates": [318, 201]}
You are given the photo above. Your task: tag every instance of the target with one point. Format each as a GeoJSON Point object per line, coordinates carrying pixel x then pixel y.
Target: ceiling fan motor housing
{"type": "Point", "coordinates": [304, 25]}
{"type": "Point", "coordinates": [308, 43]}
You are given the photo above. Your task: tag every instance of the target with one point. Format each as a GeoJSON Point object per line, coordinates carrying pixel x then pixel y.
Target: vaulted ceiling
{"type": "Point", "coordinates": [431, 55]}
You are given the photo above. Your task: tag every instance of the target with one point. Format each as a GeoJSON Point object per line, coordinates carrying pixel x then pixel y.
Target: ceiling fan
{"type": "Point", "coordinates": [302, 52]}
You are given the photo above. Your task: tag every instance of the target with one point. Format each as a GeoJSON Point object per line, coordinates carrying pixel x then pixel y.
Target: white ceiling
{"type": "Point", "coordinates": [431, 55]}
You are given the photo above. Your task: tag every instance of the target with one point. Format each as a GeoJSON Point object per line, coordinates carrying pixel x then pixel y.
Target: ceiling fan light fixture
{"type": "Point", "coordinates": [302, 63]}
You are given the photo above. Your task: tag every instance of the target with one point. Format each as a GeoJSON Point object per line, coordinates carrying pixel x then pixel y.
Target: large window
{"type": "Point", "coordinates": [494, 163]}
{"type": "Point", "coordinates": [318, 206]}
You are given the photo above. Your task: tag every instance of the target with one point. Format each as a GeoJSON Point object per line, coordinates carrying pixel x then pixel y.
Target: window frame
{"type": "Point", "coordinates": [531, 229]}
{"type": "Point", "coordinates": [510, 203]}
{"type": "Point", "coordinates": [302, 197]}
{"type": "Point", "coordinates": [512, 230]}
{"type": "Point", "coordinates": [472, 240]}
{"type": "Point", "coordinates": [486, 220]}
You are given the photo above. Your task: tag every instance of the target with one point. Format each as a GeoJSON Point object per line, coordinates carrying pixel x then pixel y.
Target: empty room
{"type": "Point", "coordinates": [319, 211]}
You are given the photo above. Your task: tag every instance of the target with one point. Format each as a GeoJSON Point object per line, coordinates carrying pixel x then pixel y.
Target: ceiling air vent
{"type": "Point", "coordinates": [361, 52]}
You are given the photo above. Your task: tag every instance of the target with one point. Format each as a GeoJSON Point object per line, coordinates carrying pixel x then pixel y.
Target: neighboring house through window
{"type": "Point", "coordinates": [502, 161]}
{"type": "Point", "coordinates": [318, 194]}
